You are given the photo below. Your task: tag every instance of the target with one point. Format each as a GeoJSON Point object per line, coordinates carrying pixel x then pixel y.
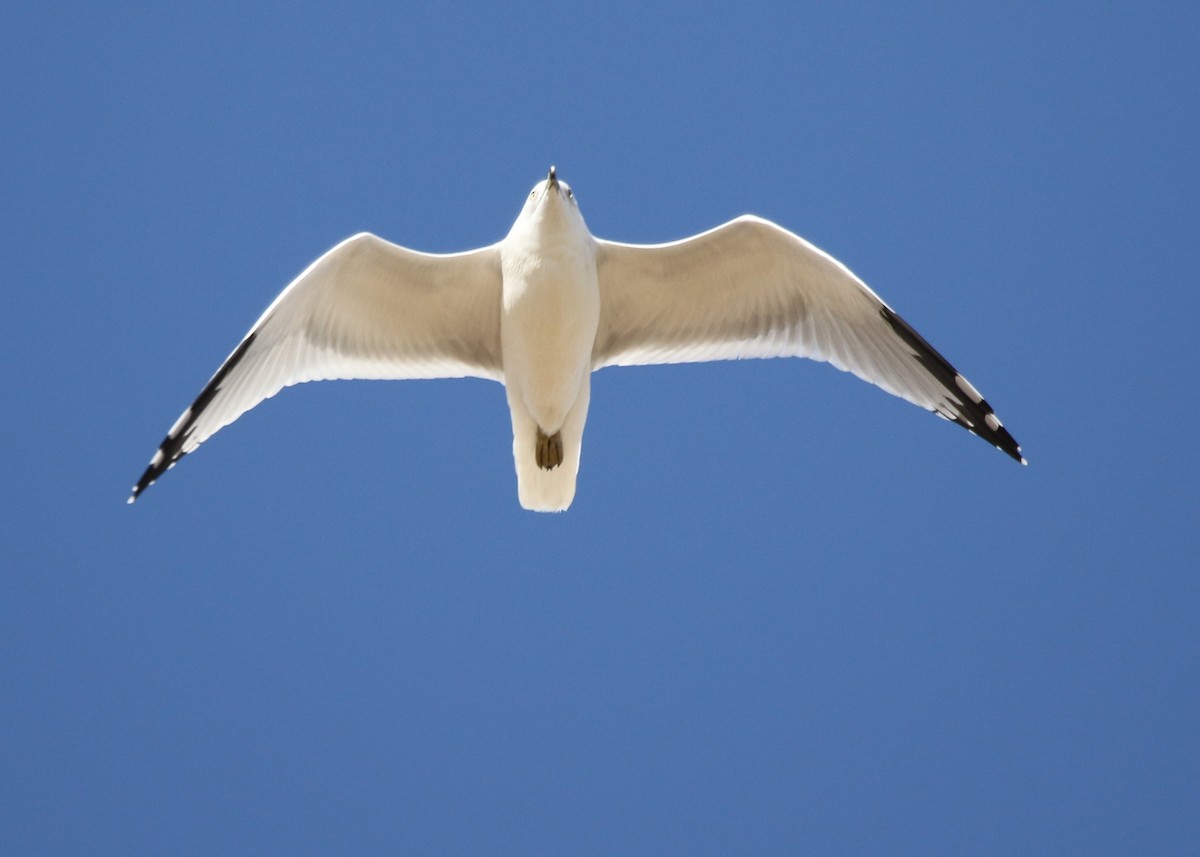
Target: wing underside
{"type": "Point", "coordinates": [752, 289]}
{"type": "Point", "coordinates": [365, 309]}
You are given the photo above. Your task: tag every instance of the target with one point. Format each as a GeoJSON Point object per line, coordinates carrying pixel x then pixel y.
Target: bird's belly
{"type": "Point", "coordinates": [548, 331]}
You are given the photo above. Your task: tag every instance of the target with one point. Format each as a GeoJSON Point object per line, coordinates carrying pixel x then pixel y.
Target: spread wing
{"type": "Point", "coordinates": [750, 288]}
{"type": "Point", "coordinates": [365, 309]}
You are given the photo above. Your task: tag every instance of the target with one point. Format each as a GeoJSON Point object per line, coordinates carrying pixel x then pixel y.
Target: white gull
{"type": "Point", "coordinates": [550, 304]}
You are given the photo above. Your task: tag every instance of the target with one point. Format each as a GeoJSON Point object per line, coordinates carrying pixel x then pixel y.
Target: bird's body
{"type": "Point", "coordinates": [548, 305]}
{"type": "Point", "coordinates": [550, 311]}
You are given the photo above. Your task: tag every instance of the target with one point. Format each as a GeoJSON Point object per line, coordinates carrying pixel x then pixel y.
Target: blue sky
{"type": "Point", "coordinates": [786, 614]}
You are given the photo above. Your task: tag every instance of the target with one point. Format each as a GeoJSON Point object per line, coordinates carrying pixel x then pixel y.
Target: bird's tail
{"type": "Point", "coordinates": [540, 489]}
{"type": "Point", "coordinates": [544, 490]}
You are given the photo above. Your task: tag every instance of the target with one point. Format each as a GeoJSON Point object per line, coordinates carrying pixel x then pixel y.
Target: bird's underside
{"type": "Point", "coordinates": [511, 312]}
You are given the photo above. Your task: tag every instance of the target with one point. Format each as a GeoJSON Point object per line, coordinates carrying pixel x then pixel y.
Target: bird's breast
{"type": "Point", "coordinates": [549, 317]}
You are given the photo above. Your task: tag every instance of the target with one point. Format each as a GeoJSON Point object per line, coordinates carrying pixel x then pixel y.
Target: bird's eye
{"type": "Point", "coordinates": [532, 194]}
{"type": "Point", "coordinates": [570, 194]}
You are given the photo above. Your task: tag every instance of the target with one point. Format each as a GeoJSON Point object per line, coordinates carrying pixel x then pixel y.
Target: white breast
{"type": "Point", "coordinates": [549, 316]}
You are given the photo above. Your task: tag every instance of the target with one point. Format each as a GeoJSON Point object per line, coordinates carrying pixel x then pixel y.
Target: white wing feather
{"type": "Point", "coordinates": [365, 309]}
{"type": "Point", "coordinates": [750, 288]}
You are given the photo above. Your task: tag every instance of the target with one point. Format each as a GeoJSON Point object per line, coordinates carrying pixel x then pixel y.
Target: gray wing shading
{"type": "Point", "coordinates": [365, 309]}
{"type": "Point", "coordinates": [750, 288]}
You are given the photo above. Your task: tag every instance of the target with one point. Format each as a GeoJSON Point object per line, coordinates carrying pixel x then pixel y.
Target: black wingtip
{"type": "Point", "coordinates": [171, 449]}
{"type": "Point", "coordinates": [975, 414]}
{"type": "Point", "coordinates": [168, 453]}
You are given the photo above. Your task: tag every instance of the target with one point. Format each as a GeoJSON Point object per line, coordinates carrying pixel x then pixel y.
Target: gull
{"type": "Point", "coordinates": [548, 305]}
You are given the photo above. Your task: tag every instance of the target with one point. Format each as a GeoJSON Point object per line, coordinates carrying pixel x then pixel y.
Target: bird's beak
{"type": "Point", "coordinates": [552, 180]}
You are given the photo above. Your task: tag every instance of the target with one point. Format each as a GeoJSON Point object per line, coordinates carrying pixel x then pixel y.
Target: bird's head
{"type": "Point", "coordinates": [551, 205]}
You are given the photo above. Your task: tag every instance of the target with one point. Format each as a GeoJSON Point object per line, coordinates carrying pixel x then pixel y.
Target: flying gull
{"type": "Point", "coordinates": [550, 304]}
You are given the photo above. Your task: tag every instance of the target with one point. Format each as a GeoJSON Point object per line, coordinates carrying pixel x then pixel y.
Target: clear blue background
{"type": "Point", "coordinates": [787, 613]}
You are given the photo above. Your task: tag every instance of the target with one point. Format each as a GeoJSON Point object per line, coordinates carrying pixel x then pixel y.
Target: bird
{"type": "Point", "coordinates": [549, 304]}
